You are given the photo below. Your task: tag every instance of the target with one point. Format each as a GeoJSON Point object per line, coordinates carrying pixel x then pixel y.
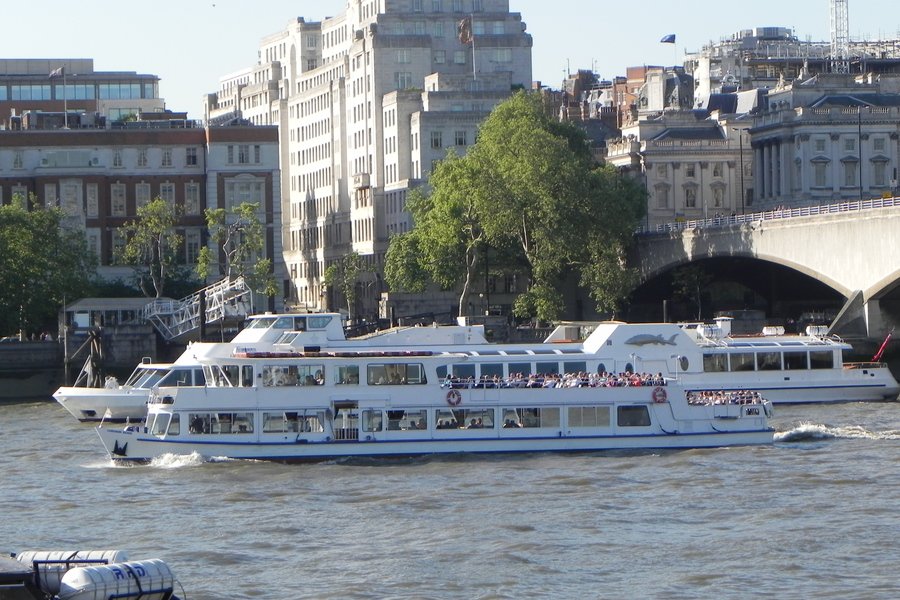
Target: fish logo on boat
{"type": "Point", "coordinates": [645, 339]}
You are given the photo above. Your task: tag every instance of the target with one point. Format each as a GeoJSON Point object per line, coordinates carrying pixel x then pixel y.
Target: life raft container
{"type": "Point", "coordinates": [146, 579]}
{"type": "Point", "coordinates": [51, 565]}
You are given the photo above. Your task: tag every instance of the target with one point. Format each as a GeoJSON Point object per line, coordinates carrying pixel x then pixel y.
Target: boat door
{"type": "Point", "coordinates": [345, 420]}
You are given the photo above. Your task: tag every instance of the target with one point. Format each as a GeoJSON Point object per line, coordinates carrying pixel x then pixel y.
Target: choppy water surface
{"type": "Point", "coordinates": [817, 514]}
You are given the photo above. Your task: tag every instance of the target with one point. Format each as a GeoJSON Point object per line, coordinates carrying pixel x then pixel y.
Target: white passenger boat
{"type": "Point", "coordinates": [314, 404]}
{"type": "Point", "coordinates": [127, 401]}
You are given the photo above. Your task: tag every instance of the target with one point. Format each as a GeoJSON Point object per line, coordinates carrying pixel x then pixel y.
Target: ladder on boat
{"type": "Point", "coordinates": [228, 299]}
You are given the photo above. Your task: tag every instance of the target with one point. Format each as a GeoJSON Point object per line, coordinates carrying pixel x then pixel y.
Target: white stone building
{"type": "Point", "coordinates": [367, 101]}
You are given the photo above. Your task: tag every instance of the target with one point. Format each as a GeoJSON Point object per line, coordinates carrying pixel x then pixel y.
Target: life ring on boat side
{"type": "Point", "coordinates": [659, 395]}
{"type": "Point", "coordinates": [454, 397]}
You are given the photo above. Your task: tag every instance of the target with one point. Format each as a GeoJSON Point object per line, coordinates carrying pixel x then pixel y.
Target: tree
{"type": "Point", "coordinates": [152, 244]}
{"type": "Point", "coordinates": [240, 237]}
{"type": "Point", "coordinates": [689, 282]}
{"type": "Point", "coordinates": [343, 276]}
{"type": "Point", "coordinates": [528, 189]}
{"type": "Point", "coordinates": [42, 264]}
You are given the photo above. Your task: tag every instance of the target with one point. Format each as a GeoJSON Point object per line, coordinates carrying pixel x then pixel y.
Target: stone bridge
{"type": "Point", "coordinates": [854, 248]}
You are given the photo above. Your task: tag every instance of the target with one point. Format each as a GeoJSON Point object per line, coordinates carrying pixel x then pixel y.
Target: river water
{"type": "Point", "coordinates": [815, 515]}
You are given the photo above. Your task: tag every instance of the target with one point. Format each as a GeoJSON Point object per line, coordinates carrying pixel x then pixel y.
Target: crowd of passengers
{"type": "Point", "coordinates": [556, 380]}
{"type": "Point", "coordinates": [707, 397]}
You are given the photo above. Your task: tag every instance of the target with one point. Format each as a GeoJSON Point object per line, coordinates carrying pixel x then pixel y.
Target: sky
{"type": "Point", "coordinates": [190, 44]}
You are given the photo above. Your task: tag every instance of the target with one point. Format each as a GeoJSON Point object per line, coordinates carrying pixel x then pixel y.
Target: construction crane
{"type": "Point", "coordinates": [840, 37]}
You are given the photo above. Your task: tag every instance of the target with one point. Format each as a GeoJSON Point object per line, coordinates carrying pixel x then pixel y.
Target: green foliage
{"type": "Point", "coordinates": [152, 244]}
{"type": "Point", "coordinates": [241, 239]}
{"type": "Point", "coordinates": [343, 276]}
{"type": "Point", "coordinates": [529, 191]}
{"type": "Point", "coordinates": [689, 282]}
{"type": "Point", "coordinates": [42, 263]}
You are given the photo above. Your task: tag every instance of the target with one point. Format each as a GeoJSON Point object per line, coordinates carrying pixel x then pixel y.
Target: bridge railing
{"type": "Point", "coordinates": [783, 213]}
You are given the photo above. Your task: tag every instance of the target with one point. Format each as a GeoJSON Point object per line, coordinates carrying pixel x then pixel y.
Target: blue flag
{"type": "Point", "coordinates": [669, 39]}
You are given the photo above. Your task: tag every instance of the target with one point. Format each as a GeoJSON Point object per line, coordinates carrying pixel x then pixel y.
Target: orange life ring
{"type": "Point", "coordinates": [454, 397]}
{"type": "Point", "coordinates": [658, 395]}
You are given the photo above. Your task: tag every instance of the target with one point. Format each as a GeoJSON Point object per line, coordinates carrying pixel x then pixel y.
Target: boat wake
{"type": "Point", "coordinates": [177, 461]}
{"type": "Point", "coordinates": [814, 431]}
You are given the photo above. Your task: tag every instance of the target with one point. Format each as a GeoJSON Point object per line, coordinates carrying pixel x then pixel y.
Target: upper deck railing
{"type": "Point", "coordinates": [784, 213]}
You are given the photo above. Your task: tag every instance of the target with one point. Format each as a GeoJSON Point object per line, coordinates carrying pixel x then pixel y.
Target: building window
{"type": "Point", "coordinates": [50, 196]}
{"type": "Point", "coordinates": [417, 6]}
{"type": "Point", "coordinates": [819, 174]}
{"type": "Point", "coordinates": [18, 161]}
{"type": "Point", "coordinates": [662, 196]}
{"type": "Point", "coordinates": [190, 156]}
{"type": "Point", "coordinates": [503, 55]}
{"type": "Point", "coordinates": [437, 140]}
{"type": "Point", "coordinates": [878, 144]}
{"type": "Point", "coordinates": [690, 171]}
{"type": "Point", "coordinates": [820, 145]}
{"type": "Point", "coordinates": [460, 138]}
{"type": "Point", "coordinates": [459, 57]}
{"type": "Point", "coordinates": [141, 194]}
{"type": "Point", "coordinates": [850, 144]}
{"type": "Point", "coordinates": [117, 199]}
{"type": "Point", "coordinates": [437, 5]}
{"type": "Point", "coordinates": [499, 28]}
{"type": "Point", "coordinates": [440, 57]}
{"type": "Point", "coordinates": [192, 199]}
{"type": "Point", "coordinates": [118, 247]}
{"type": "Point", "coordinates": [166, 157]}
{"type": "Point", "coordinates": [191, 246]}
{"type": "Point", "coordinates": [117, 158]}
{"type": "Point", "coordinates": [403, 56]}
{"type": "Point", "coordinates": [167, 192]}
{"type": "Point", "coordinates": [850, 170]}
{"type": "Point", "coordinates": [404, 80]}
{"type": "Point", "coordinates": [879, 173]}
{"type": "Point", "coordinates": [662, 170]}
{"type": "Point", "coordinates": [437, 29]}
{"type": "Point", "coordinates": [477, 5]}
{"type": "Point", "coordinates": [92, 195]}
{"type": "Point", "coordinates": [142, 157]}
{"type": "Point", "coordinates": [257, 154]}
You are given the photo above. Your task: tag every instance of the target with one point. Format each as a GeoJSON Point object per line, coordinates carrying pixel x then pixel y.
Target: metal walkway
{"type": "Point", "coordinates": [176, 320]}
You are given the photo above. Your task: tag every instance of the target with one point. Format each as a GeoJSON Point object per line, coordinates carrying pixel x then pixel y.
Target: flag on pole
{"type": "Point", "coordinates": [668, 39]}
{"type": "Point", "coordinates": [59, 72]}
{"type": "Point", "coordinates": [464, 30]}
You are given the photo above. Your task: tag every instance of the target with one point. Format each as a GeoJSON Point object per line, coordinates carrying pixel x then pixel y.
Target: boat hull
{"type": "Point", "coordinates": [136, 446]}
{"type": "Point", "coordinates": [116, 405]}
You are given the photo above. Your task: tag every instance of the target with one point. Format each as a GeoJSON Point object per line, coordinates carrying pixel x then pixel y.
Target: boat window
{"type": "Point", "coordinates": [492, 369]}
{"type": "Point", "coordinates": [530, 417]}
{"type": "Point", "coordinates": [407, 420]}
{"type": "Point", "coordinates": [519, 367]}
{"type": "Point", "coordinates": [742, 361]}
{"type": "Point", "coordinates": [150, 378]}
{"type": "Point", "coordinates": [176, 378]}
{"type": "Point", "coordinates": [286, 323]}
{"type": "Point", "coordinates": [199, 379]}
{"type": "Point", "coordinates": [464, 371]}
{"type": "Point", "coordinates": [546, 368]}
{"type": "Point", "coordinates": [226, 422]}
{"type": "Point", "coordinates": [160, 424]}
{"type": "Point", "coordinates": [294, 421]}
{"type": "Point", "coordinates": [714, 363]}
{"type": "Point", "coordinates": [632, 416]}
{"type": "Point", "coordinates": [395, 374]}
{"type": "Point", "coordinates": [371, 420]}
{"type": "Point", "coordinates": [346, 375]}
{"type": "Point", "coordinates": [821, 359]}
{"type": "Point", "coordinates": [464, 418]}
{"type": "Point", "coordinates": [601, 368]}
{"type": "Point", "coordinates": [292, 375]}
{"type": "Point", "coordinates": [574, 366]}
{"type": "Point", "coordinates": [441, 371]}
{"type": "Point", "coordinates": [588, 416]}
{"type": "Point", "coordinates": [768, 361]}
{"type": "Point", "coordinates": [318, 322]}
{"type": "Point", "coordinates": [543, 351]}
{"type": "Point", "coordinates": [794, 361]}
{"type": "Point", "coordinates": [261, 323]}
{"type": "Point", "coordinates": [174, 425]}
{"type": "Point", "coordinates": [232, 374]}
